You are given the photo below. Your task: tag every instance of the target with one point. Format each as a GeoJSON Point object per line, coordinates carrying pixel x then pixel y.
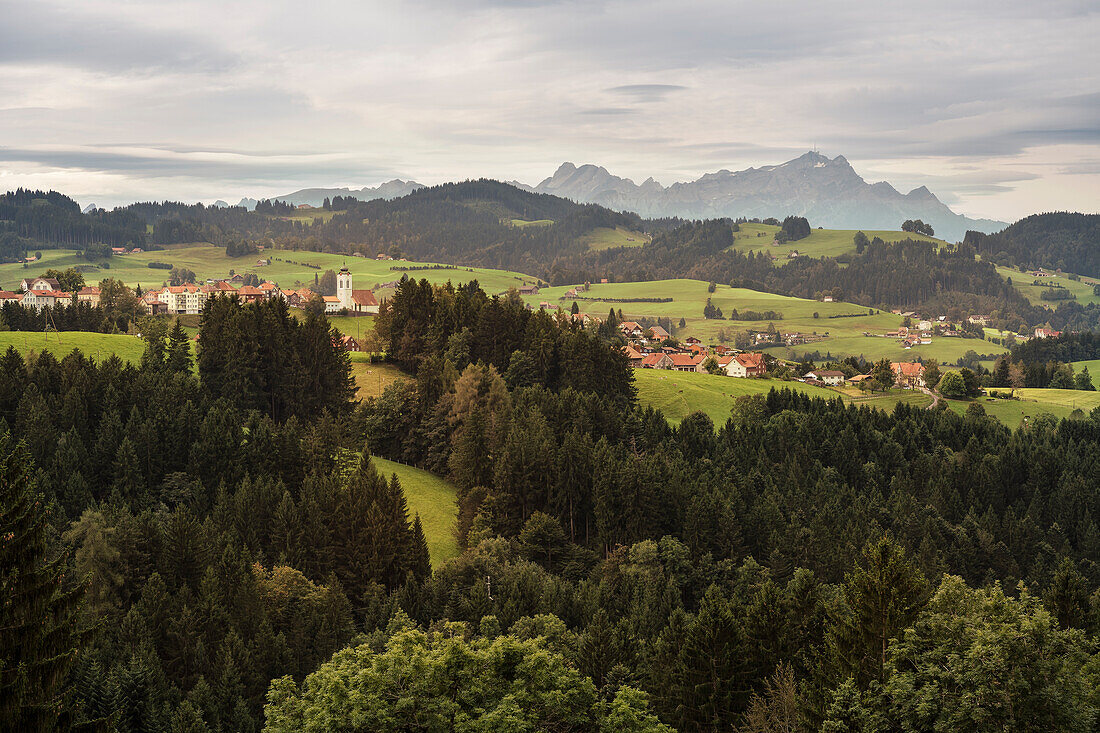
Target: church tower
{"type": "Point", "coordinates": [343, 287]}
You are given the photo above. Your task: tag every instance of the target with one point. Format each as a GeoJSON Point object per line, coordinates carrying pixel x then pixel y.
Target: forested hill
{"type": "Point", "coordinates": [44, 219]}
{"type": "Point", "coordinates": [1061, 240]}
{"type": "Point", "coordinates": [471, 223]}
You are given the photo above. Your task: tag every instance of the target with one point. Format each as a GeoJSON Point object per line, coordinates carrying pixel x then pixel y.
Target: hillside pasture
{"type": "Point", "coordinates": [1059, 403]}
{"type": "Point", "coordinates": [97, 346]}
{"type": "Point", "coordinates": [523, 223]}
{"type": "Point", "coordinates": [606, 238]}
{"type": "Point", "coordinates": [433, 498]}
{"type": "Point", "coordinates": [289, 269]}
{"type": "Point", "coordinates": [678, 394]}
{"type": "Point", "coordinates": [688, 297]}
{"type": "Point", "coordinates": [820, 243]}
{"type": "Point", "coordinates": [1024, 283]}
{"type": "Point", "coordinates": [371, 380]}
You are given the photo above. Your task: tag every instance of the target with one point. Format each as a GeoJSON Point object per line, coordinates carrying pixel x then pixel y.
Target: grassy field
{"type": "Point", "coordinates": [887, 400]}
{"type": "Point", "coordinates": [606, 238]}
{"type": "Point", "coordinates": [433, 499]}
{"type": "Point", "coordinates": [678, 394]}
{"type": "Point", "coordinates": [1093, 366]}
{"type": "Point", "coordinates": [523, 223]}
{"type": "Point", "coordinates": [372, 379]}
{"type": "Point", "coordinates": [820, 243]}
{"type": "Point", "coordinates": [95, 345]}
{"type": "Point", "coordinates": [308, 215]}
{"type": "Point", "coordinates": [1056, 402]}
{"type": "Point", "coordinates": [845, 335]}
{"type": "Point", "coordinates": [1081, 289]}
{"type": "Point", "coordinates": [207, 261]}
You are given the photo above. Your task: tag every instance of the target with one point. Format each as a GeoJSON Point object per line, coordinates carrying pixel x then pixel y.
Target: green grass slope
{"type": "Point", "coordinates": [678, 394]}
{"type": "Point", "coordinates": [207, 261]}
{"type": "Point", "coordinates": [1024, 283]}
{"type": "Point", "coordinates": [845, 335]}
{"type": "Point", "coordinates": [98, 346]}
{"type": "Point", "coordinates": [820, 243]}
{"type": "Point", "coordinates": [1058, 403]}
{"type": "Point", "coordinates": [433, 499]}
{"type": "Point", "coordinates": [606, 238]}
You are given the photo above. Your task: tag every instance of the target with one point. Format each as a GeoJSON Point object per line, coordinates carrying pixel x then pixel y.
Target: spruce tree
{"type": "Point", "coordinates": [39, 631]}
{"type": "Point", "coordinates": [419, 559]}
{"type": "Point", "coordinates": [179, 350]}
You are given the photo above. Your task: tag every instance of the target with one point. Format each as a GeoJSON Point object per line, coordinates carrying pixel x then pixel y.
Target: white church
{"type": "Point", "coordinates": [356, 301]}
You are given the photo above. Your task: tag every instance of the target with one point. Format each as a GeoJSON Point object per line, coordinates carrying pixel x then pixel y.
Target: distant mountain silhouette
{"type": "Point", "coordinates": [316, 196]}
{"type": "Point", "coordinates": [829, 193]}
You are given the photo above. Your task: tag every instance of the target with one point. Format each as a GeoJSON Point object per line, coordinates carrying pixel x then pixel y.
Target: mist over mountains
{"type": "Point", "coordinates": [828, 192]}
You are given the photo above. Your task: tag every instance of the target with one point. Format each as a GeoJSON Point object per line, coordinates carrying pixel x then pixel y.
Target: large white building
{"type": "Point", "coordinates": [355, 301]}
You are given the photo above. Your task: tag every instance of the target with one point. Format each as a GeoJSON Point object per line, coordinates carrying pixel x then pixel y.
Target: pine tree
{"type": "Point", "coordinates": [39, 630]}
{"type": "Point", "coordinates": [179, 350]}
{"type": "Point", "coordinates": [419, 559]}
{"type": "Point", "coordinates": [882, 596]}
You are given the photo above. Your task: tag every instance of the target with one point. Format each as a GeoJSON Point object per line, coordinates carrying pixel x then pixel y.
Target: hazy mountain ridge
{"type": "Point", "coordinates": [316, 196]}
{"type": "Point", "coordinates": [827, 192]}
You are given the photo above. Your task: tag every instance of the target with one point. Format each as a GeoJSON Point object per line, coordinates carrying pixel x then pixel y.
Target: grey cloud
{"type": "Point", "coordinates": [37, 33]}
{"type": "Point", "coordinates": [647, 92]}
{"type": "Point", "coordinates": [164, 163]}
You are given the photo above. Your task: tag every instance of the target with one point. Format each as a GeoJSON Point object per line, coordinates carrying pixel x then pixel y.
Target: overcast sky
{"type": "Point", "coordinates": [995, 106]}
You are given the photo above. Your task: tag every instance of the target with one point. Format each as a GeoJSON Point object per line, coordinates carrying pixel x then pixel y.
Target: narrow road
{"type": "Point", "coordinates": [935, 398]}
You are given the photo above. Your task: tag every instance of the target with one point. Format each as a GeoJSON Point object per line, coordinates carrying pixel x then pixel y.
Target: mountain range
{"type": "Point", "coordinates": [828, 192]}
{"type": "Point", "coordinates": [316, 196]}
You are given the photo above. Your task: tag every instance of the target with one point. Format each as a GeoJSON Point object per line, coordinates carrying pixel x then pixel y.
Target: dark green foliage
{"type": "Point", "coordinates": [39, 625]}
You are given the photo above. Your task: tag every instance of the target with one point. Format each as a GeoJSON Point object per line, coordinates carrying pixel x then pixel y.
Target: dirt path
{"type": "Point", "coordinates": [935, 398]}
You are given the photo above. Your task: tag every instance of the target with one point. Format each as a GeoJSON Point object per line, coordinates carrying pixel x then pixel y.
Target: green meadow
{"type": "Point", "coordinates": [1059, 403]}
{"type": "Point", "coordinates": [1024, 283]}
{"type": "Point", "coordinates": [606, 238]}
{"type": "Point", "coordinates": [820, 243]}
{"type": "Point", "coordinates": [523, 223]}
{"type": "Point", "coordinates": [843, 335]}
{"type": "Point", "coordinates": [433, 498]}
{"type": "Point", "coordinates": [98, 346]}
{"type": "Point", "coordinates": [289, 269]}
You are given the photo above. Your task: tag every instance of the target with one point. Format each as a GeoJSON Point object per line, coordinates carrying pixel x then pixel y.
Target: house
{"type": "Point", "coordinates": [40, 299]}
{"type": "Point", "coordinates": [136, 251]}
{"type": "Point", "coordinates": [118, 250]}
{"type": "Point", "coordinates": [631, 329]}
{"type": "Point", "coordinates": [529, 290]}
{"type": "Point", "coordinates": [583, 318]}
{"type": "Point", "coordinates": [363, 301]}
{"type": "Point", "coordinates": [827, 299]}
{"type": "Point", "coordinates": [236, 280]}
{"type": "Point", "coordinates": [40, 283]}
{"type": "Point", "coordinates": [829, 377]}
{"type": "Point", "coordinates": [263, 263]}
{"type": "Point", "coordinates": [747, 365]}
{"type": "Point", "coordinates": [656, 361]}
{"type": "Point", "coordinates": [859, 378]}
{"type": "Point", "coordinates": [89, 295]}
{"type": "Point", "coordinates": [304, 206]}
{"type": "Point", "coordinates": [687, 362]}
{"type": "Point", "coordinates": [793, 254]}
{"type": "Point", "coordinates": [603, 281]}
{"type": "Point", "coordinates": [924, 326]}
{"type": "Point", "coordinates": [250, 294]}
{"type": "Point", "coordinates": [347, 343]}
{"type": "Point", "coordinates": [179, 299]}
{"type": "Point", "coordinates": [692, 341]}
{"type": "Point", "coordinates": [1047, 333]}
{"type": "Point", "coordinates": [6, 296]}
{"type": "Point", "coordinates": [978, 320]}
{"type": "Point", "coordinates": [659, 334]}
{"type": "Point", "coordinates": [332, 303]}
{"type": "Point", "coordinates": [908, 374]}
{"type": "Point", "coordinates": [271, 290]}
{"type": "Point", "coordinates": [634, 356]}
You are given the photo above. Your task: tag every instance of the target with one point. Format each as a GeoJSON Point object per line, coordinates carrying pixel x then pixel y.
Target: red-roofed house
{"type": "Point", "coordinates": [6, 296]}
{"type": "Point", "coordinates": [40, 283]}
{"type": "Point", "coordinates": [656, 361]}
{"type": "Point", "coordinates": [332, 304]}
{"type": "Point", "coordinates": [88, 294]}
{"type": "Point", "coordinates": [634, 355]}
{"type": "Point", "coordinates": [659, 333]}
{"type": "Point", "coordinates": [687, 362]}
{"type": "Point", "coordinates": [1047, 333]}
{"type": "Point", "coordinates": [831, 378]}
{"type": "Point", "coordinates": [250, 294]}
{"type": "Point", "coordinates": [908, 373]}
{"type": "Point", "coordinates": [363, 301]}
{"type": "Point", "coordinates": [347, 343]}
{"type": "Point", "coordinates": [747, 365]}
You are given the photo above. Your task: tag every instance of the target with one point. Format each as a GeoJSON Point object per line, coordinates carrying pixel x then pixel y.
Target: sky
{"type": "Point", "coordinates": [995, 106]}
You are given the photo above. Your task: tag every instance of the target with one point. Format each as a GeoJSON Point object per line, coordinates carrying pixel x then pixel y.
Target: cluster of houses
{"type": "Point", "coordinates": [41, 292]}
{"type": "Point", "coordinates": [190, 298]}
{"type": "Point", "coordinates": [645, 350]}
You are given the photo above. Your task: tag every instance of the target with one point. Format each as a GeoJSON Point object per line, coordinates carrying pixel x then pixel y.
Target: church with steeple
{"type": "Point", "coordinates": [355, 301]}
